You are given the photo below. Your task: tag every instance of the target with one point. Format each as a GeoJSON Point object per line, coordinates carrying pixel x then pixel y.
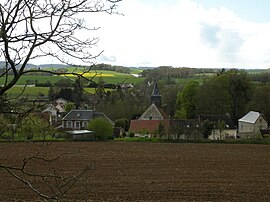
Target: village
{"type": "Point", "coordinates": [155, 123]}
{"type": "Point", "coordinates": [140, 100]}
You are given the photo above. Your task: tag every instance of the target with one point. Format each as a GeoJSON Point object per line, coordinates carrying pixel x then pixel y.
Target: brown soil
{"type": "Point", "coordinates": [121, 171]}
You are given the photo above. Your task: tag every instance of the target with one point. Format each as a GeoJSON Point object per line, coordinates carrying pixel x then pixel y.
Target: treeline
{"type": "Point", "coordinates": [108, 67]}
{"type": "Point", "coordinates": [169, 74]}
{"type": "Point", "coordinates": [263, 78]}
{"type": "Point", "coordinates": [231, 92]}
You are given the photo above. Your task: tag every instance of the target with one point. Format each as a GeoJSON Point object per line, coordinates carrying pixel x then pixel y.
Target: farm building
{"type": "Point", "coordinates": [250, 125]}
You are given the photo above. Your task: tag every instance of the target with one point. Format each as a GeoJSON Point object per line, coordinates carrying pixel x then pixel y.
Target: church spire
{"type": "Point", "coordinates": [156, 97]}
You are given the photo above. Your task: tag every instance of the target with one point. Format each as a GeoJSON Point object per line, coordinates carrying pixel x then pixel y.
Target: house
{"type": "Point", "coordinates": [185, 129]}
{"type": "Point", "coordinates": [154, 120]}
{"type": "Point", "coordinates": [55, 109]}
{"type": "Point", "coordinates": [223, 126]}
{"type": "Point", "coordinates": [79, 119]}
{"type": "Point", "coordinates": [250, 125]}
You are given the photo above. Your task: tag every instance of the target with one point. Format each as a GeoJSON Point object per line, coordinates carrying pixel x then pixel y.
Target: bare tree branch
{"type": "Point", "coordinates": [32, 29]}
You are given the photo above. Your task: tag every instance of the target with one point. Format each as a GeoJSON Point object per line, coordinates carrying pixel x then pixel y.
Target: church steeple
{"type": "Point", "coordinates": [156, 97]}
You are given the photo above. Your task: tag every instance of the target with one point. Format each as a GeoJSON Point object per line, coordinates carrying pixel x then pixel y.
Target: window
{"type": "Point", "coordinates": [69, 124]}
{"type": "Point", "coordinates": [77, 124]}
{"type": "Point", "coordinates": [84, 124]}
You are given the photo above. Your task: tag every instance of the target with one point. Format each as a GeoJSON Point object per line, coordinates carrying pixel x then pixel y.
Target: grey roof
{"type": "Point", "coordinates": [84, 115]}
{"type": "Point", "coordinates": [155, 91]}
{"type": "Point", "coordinates": [216, 118]}
{"type": "Point", "coordinates": [250, 117]}
{"type": "Point", "coordinates": [79, 115]}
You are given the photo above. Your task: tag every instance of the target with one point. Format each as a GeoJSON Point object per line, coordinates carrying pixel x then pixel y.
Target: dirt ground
{"type": "Point", "coordinates": [123, 171]}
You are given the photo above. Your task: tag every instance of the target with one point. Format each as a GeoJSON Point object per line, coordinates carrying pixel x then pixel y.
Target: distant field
{"type": "Point", "coordinates": [184, 81]}
{"type": "Point", "coordinates": [107, 76]}
{"type": "Point", "coordinates": [31, 92]}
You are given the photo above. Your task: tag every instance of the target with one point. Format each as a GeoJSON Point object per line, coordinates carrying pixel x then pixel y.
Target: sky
{"type": "Point", "coordinates": [186, 33]}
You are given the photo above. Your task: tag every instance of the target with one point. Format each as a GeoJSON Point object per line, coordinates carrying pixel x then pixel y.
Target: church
{"type": "Point", "coordinates": [154, 121]}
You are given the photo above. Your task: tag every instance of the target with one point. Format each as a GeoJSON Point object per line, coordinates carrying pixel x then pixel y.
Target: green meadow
{"type": "Point", "coordinates": [98, 75]}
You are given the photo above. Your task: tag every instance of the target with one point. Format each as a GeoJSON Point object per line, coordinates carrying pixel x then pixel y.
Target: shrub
{"type": "Point", "coordinates": [123, 123]}
{"type": "Point", "coordinates": [131, 134]}
{"type": "Point", "coordinates": [103, 128]}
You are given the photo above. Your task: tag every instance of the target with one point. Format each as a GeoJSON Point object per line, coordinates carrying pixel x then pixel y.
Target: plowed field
{"type": "Point", "coordinates": [122, 171]}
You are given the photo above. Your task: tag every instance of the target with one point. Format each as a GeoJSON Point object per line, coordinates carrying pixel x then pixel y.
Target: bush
{"type": "Point", "coordinates": [131, 134]}
{"type": "Point", "coordinates": [123, 123]}
{"type": "Point", "coordinates": [33, 127]}
{"type": "Point", "coordinates": [103, 128]}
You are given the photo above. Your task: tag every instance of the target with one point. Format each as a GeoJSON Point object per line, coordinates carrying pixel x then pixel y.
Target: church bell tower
{"type": "Point", "coordinates": [156, 97]}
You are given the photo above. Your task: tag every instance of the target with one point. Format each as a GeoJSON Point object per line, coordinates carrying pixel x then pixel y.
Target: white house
{"type": "Point", "coordinates": [79, 119]}
{"type": "Point", "coordinates": [250, 125]}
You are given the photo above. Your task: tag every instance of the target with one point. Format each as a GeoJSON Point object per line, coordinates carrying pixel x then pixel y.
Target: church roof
{"type": "Point", "coordinates": [155, 90]}
{"type": "Point", "coordinates": [153, 113]}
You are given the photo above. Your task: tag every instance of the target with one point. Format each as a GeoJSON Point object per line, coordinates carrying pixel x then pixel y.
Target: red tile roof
{"type": "Point", "coordinates": [151, 126]}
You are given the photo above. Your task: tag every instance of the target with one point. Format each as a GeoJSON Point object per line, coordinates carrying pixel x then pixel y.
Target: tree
{"type": "Point", "coordinates": [207, 127]}
{"type": "Point", "coordinates": [69, 106]}
{"type": "Point", "coordinates": [161, 130]}
{"type": "Point", "coordinates": [3, 126]}
{"type": "Point", "coordinates": [31, 29]}
{"type": "Point", "coordinates": [186, 101]}
{"type": "Point", "coordinates": [32, 126]}
{"type": "Point", "coordinates": [122, 123]}
{"type": "Point", "coordinates": [240, 92]}
{"type": "Point", "coordinates": [103, 128]}
{"type": "Point", "coordinates": [221, 125]}
{"type": "Point", "coordinates": [229, 92]}
{"type": "Point", "coordinates": [78, 92]}
{"type": "Point", "coordinates": [260, 100]}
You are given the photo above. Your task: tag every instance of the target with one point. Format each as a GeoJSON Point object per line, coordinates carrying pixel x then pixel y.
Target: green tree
{"type": "Point", "coordinates": [123, 123]}
{"type": "Point", "coordinates": [78, 92]}
{"type": "Point", "coordinates": [186, 101]}
{"type": "Point", "coordinates": [103, 128]}
{"type": "Point", "coordinates": [240, 92]}
{"type": "Point", "coordinates": [229, 92]}
{"type": "Point", "coordinates": [4, 128]}
{"type": "Point", "coordinates": [100, 91]}
{"type": "Point", "coordinates": [260, 100]}
{"type": "Point", "coordinates": [213, 96]}
{"type": "Point", "coordinates": [207, 127]}
{"type": "Point", "coordinates": [161, 130]}
{"type": "Point", "coordinates": [32, 126]}
{"type": "Point", "coordinates": [221, 125]}
{"type": "Point", "coordinates": [69, 106]}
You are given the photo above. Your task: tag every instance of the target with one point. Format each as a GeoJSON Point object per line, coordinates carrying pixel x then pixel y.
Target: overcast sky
{"type": "Point", "coordinates": [186, 33]}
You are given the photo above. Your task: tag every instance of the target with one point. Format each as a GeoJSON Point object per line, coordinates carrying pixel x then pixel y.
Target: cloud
{"type": "Point", "coordinates": [209, 34]}
{"type": "Point", "coordinates": [107, 59]}
{"type": "Point", "coordinates": [180, 33]}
